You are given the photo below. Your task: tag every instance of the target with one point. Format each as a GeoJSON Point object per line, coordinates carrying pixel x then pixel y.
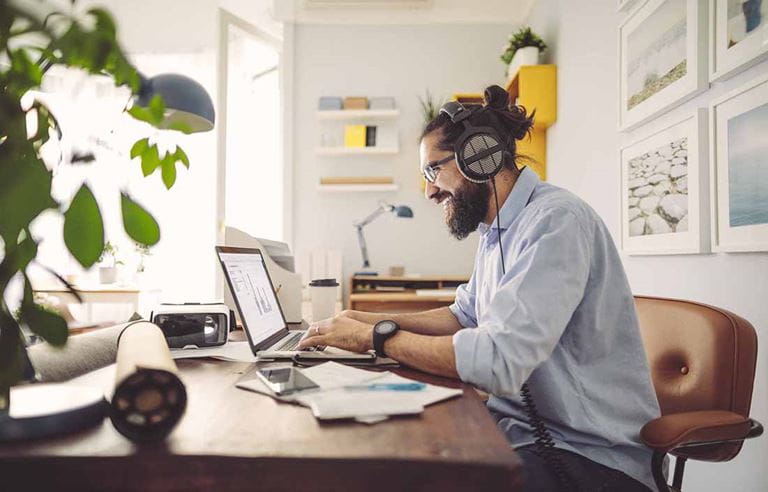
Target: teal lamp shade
{"type": "Point", "coordinates": [403, 211]}
{"type": "Point", "coordinates": [186, 101]}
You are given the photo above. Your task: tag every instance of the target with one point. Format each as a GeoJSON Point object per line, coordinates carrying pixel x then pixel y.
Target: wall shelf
{"type": "Point", "coordinates": [355, 188]}
{"type": "Point", "coordinates": [356, 150]}
{"type": "Point", "coordinates": [357, 114]}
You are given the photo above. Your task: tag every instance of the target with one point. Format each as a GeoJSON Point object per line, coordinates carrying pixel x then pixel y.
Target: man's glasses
{"type": "Point", "coordinates": [432, 169]}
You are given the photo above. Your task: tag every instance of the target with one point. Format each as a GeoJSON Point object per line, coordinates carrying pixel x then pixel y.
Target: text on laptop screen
{"type": "Point", "coordinates": [253, 291]}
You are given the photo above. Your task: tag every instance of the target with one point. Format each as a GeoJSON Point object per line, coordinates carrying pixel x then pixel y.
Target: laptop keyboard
{"type": "Point", "coordinates": [292, 342]}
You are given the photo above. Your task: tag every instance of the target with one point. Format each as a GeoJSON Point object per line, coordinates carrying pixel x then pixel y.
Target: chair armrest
{"type": "Point", "coordinates": [680, 429]}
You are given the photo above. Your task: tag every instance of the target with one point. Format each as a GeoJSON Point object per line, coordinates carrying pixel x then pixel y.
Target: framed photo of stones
{"type": "Point", "coordinates": [662, 58]}
{"type": "Point", "coordinates": [739, 125]}
{"type": "Point", "coordinates": [739, 36]}
{"type": "Point", "coordinates": [664, 190]}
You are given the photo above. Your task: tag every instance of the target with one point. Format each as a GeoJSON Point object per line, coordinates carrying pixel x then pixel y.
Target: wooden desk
{"type": "Point", "coordinates": [231, 439]}
{"type": "Point", "coordinates": [365, 294]}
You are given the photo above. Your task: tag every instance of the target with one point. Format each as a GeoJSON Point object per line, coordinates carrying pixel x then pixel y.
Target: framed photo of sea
{"type": "Point", "coordinates": [739, 155]}
{"type": "Point", "coordinates": [739, 36]}
{"type": "Point", "coordinates": [662, 58]}
{"type": "Point", "coordinates": [664, 189]}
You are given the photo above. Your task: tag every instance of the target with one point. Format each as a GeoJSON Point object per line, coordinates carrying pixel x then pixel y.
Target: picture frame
{"type": "Point", "coordinates": [738, 36]}
{"type": "Point", "coordinates": [664, 189]}
{"type": "Point", "coordinates": [627, 5]}
{"type": "Point", "coordinates": [739, 168]}
{"type": "Point", "coordinates": [662, 58]}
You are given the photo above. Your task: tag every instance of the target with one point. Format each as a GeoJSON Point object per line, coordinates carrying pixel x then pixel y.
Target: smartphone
{"type": "Point", "coordinates": [286, 380]}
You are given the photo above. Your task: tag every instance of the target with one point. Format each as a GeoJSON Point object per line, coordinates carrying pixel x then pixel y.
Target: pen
{"type": "Point", "coordinates": [387, 387]}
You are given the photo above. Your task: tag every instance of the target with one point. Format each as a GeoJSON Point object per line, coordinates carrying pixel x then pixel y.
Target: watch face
{"type": "Point", "coordinates": [385, 327]}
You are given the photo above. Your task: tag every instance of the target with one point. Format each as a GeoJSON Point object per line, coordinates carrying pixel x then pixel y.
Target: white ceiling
{"type": "Point", "coordinates": [376, 12]}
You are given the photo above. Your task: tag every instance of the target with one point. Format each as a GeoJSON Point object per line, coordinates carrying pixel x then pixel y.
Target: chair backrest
{"type": "Point", "coordinates": [701, 358]}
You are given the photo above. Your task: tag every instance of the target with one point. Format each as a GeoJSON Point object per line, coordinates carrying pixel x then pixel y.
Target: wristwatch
{"type": "Point", "coordinates": [382, 331]}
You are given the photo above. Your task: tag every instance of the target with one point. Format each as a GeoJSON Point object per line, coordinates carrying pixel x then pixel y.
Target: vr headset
{"type": "Point", "coordinates": [194, 324]}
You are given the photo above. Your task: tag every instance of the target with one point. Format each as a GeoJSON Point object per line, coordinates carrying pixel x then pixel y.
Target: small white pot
{"type": "Point", "coordinates": [107, 275]}
{"type": "Point", "coordinates": [524, 56]}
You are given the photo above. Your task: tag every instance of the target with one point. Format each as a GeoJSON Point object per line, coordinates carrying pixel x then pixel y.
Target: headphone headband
{"type": "Point", "coordinates": [456, 111]}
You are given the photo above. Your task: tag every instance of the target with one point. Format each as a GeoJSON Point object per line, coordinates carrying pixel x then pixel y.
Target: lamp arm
{"type": "Point", "coordinates": [363, 247]}
{"type": "Point", "coordinates": [373, 216]}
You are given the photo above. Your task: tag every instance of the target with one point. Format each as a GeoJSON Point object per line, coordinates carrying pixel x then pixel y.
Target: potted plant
{"type": "Point", "coordinates": [143, 251]}
{"type": "Point", "coordinates": [34, 38]}
{"type": "Point", "coordinates": [523, 48]}
{"type": "Point", "coordinates": [430, 107]}
{"type": "Point", "coordinates": [108, 261]}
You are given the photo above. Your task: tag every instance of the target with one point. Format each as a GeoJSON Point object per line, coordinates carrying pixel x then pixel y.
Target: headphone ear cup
{"type": "Point", "coordinates": [480, 154]}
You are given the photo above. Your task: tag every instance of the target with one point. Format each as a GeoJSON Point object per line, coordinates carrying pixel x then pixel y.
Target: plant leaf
{"type": "Point", "coordinates": [139, 147]}
{"type": "Point", "coordinates": [138, 223]}
{"type": "Point", "coordinates": [25, 187]}
{"type": "Point", "coordinates": [157, 108]}
{"type": "Point", "coordinates": [180, 155]}
{"type": "Point", "coordinates": [84, 228]}
{"type": "Point", "coordinates": [169, 170]}
{"type": "Point", "coordinates": [180, 126]}
{"type": "Point", "coordinates": [48, 325]}
{"type": "Point", "coordinates": [150, 160]}
{"type": "Point", "coordinates": [142, 114]}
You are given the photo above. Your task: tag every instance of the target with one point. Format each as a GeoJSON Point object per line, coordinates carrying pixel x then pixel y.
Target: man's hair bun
{"type": "Point", "coordinates": [512, 118]}
{"type": "Point", "coordinates": [497, 98]}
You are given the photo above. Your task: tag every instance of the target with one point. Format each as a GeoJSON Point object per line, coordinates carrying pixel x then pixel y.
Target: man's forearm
{"type": "Point", "coordinates": [436, 322]}
{"type": "Point", "coordinates": [433, 354]}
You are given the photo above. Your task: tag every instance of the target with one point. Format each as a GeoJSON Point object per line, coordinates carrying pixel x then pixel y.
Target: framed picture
{"type": "Point", "coordinates": [662, 58]}
{"type": "Point", "coordinates": [664, 192]}
{"type": "Point", "coordinates": [739, 125]}
{"type": "Point", "coordinates": [626, 5]}
{"type": "Point", "coordinates": [739, 34]}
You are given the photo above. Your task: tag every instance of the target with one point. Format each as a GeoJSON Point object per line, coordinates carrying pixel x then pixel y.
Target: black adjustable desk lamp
{"type": "Point", "coordinates": [399, 211]}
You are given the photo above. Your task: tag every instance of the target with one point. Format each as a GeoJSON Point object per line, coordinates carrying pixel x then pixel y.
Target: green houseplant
{"type": "Point", "coordinates": [31, 43]}
{"type": "Point", "coordinates": [522, 42]}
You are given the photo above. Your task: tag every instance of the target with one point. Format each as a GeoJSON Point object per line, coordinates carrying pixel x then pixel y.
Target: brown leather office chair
{"type": "Point", "coordinates": [702, 362]}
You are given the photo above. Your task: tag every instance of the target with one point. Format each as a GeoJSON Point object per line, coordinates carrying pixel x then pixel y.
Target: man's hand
{"type": "Point", "coordinates": [342, 332]}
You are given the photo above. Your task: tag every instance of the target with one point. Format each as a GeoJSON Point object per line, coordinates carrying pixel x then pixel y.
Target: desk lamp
{"type": "Point", "coordinates": [186, 101]}
{"type": "Point", "coordinates": [399, 211]}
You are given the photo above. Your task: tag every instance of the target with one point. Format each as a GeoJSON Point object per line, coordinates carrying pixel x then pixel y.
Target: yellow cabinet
{"type": "Point", "coordinates": [535, 88]}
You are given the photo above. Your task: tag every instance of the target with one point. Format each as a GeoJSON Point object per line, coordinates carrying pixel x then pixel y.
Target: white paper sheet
{"type": "Point", "coordinates": [231, 351]}
{"type": "Point", "coordinates": [332, 400]}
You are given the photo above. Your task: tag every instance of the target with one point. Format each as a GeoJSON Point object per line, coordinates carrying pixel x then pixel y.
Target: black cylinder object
{"type": "Point", "coordinates": [149, 398]}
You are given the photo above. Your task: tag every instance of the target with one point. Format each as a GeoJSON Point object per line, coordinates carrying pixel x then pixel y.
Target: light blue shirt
{"type": "Point", "coordinates": [563, 319]}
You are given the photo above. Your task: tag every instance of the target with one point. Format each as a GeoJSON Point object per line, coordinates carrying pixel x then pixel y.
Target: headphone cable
{"type": "Point", "coordinates": [544, 443]}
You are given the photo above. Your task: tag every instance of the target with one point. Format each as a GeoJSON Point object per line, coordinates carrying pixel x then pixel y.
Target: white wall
{"type": "Point", "coordinates": [583, 157]}
{"type": "Point", "coordinates": [399, 61]}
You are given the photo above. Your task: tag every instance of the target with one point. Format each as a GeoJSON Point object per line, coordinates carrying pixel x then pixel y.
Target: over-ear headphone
{"type": "Point", "coordinates": [480, 154]}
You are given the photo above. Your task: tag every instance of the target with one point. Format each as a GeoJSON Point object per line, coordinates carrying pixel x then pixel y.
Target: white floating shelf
{"type": "Point", "coordinates": [356, 150]}
{"type": "Point", "coordinates": [357, 114]}
{"type": "Point", "coordinates": [360, 187]}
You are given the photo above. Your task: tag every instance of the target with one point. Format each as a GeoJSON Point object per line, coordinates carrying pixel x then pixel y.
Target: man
{"type": "Point", "coordinates": [555, 312]}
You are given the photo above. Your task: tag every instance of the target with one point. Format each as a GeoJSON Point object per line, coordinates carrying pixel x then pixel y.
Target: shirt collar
{"type": "Point", "coordinates": [516, 200]}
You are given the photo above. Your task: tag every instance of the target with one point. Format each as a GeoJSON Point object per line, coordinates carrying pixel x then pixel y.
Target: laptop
{"type": "Point", "coordinates": [263, 320]}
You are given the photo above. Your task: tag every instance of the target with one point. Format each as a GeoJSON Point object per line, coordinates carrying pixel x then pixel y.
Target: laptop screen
{"type": "Point", "coordinates": [253, 293]}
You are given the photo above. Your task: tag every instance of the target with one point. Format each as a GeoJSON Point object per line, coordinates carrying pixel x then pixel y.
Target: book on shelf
{"type": "Point", "coordinates": [355, 103]}
{"type": "Point", "coordinates": [354, 135]}
{"type": "Point", "coordinates": [356, 180]}
{"type": "Point", "coordinates": [370, 136]}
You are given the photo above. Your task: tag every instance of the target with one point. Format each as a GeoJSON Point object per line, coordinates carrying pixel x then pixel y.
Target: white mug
{"type": "Point", "coordinates": [323, 294]}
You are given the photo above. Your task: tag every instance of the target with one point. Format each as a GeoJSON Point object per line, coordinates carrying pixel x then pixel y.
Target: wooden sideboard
{"type": "Point", "coordinates": [378, 293]}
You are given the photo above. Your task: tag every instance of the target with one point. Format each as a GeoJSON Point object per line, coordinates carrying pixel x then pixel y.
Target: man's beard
{"type": "Point", "coordinates": [467, 208]}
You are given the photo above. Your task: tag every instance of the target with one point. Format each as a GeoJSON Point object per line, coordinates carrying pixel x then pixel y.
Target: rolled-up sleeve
{"type": "Point", "coordinates": [532, 306]}
{"type": "Point", "coordinates": [463, 307]}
